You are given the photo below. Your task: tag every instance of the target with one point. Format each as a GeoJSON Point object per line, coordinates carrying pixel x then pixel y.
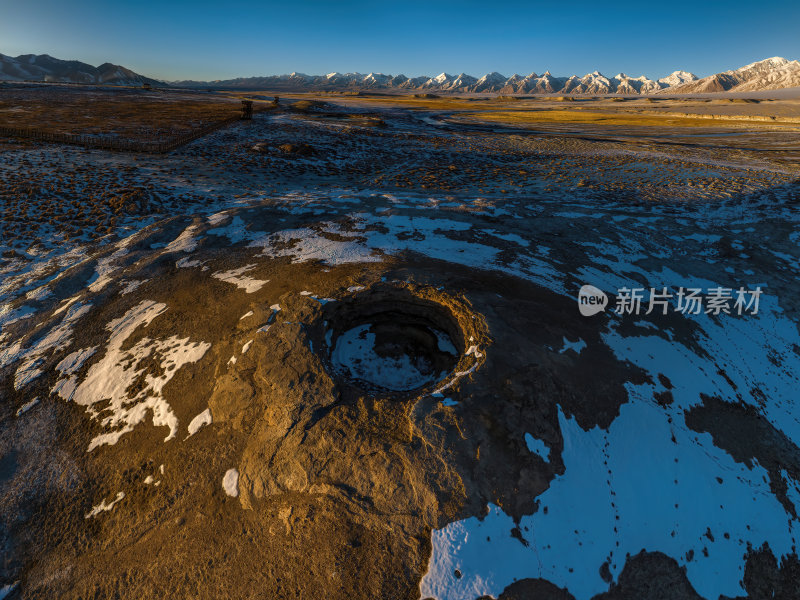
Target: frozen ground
{"type": "Point", "coordinates": [150, 326]}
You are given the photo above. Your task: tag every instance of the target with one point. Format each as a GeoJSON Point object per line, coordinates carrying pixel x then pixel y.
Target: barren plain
{"type": "Point", "coordinates": [336, 351]}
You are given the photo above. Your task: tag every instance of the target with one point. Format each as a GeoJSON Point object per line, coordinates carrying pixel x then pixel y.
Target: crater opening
{"type": "Point", "coordinates": [392, 340]}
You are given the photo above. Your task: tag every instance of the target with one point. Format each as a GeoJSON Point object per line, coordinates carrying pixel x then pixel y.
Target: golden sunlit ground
{"type": "Point", "coordinates": [127, 113]}
{"type": "Point", "coordinates": [618, 118]}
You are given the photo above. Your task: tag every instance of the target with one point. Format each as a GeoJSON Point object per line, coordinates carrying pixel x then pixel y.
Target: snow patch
{"type": "Point", "coordinates": [74, 361]}
{"type": "Point", "coordinates": [306, 244]}
{"type": "Point", "coordinates": [576, 347]}
{"type": "Point", "coordinates": [354, 353]}
{"type": "Point", "coordinates": [108, 380]}
{"type": "Point", "coordinates": [103, 506]}
{"type": "Point", "coordinates": [537, 446]}
{"type": "Point", "coordinates": [230, 483]}
{"type": "Point", "coordinates": [667, 496]}
{"type": "Point", "coordinates": [185, 242]}
{"type": "Point", "coordinates": [204, 418]}
{"type": "Point", "coordinates": [27, 406]}
{"type": "Point", "coordinates": [131, 286]}
{"type": "Point", "coordinates": [59, 337]}
{"type": "Point", "coordinates": [237, 278]}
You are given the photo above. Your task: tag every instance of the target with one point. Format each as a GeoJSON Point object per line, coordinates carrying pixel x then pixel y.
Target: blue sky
{"type": "Point", "coordinates": [219, 40]}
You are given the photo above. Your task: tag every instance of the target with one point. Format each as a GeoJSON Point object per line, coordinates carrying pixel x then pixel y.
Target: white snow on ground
{"type": "Point", "coordinates": [374, 236]}
{"type": "Point", "coordinates": [752, 349]}
{"type": "Point", "coordinates": [249, 313]}
{"type": "Point", "coordinates": [108, 380]}
{"type": "Point", "coordinates": [792, 488]}
{"type": "Point", "coordinates": [275, 308]}
{"type": "Point", "coordinates": [58, 338]}
{"type": "Point", "coordinates": [574, 346]}
{"type": "Point", "coordinates": [643, 465]}
{"type": "Point", "coordinates": [74, 360]}
{"type": "Point", "coordinates": [204, 418]}
{"type": "Point", "coordinates": [27, 406]}
{"type": "Point", "coordinates": [440, 238]}
{"type": "Point", "coordinates": [246, 347]}
{"type": "Point", "coordinates": [509, 237]}
{"type": "Point", "coordinates": [104, 270]}
{"type": "Point", "coordinates": [235, 231]}
{"type": "Point", "coordinates": [452, 382]}
{"type": "Point", "coordinates": [185, 242]}
{"type": "Point", "coordinates": [25, 375]}
{"type": "Point", "coordinates": [217, 218]}
{"type": "Point", "coordinates": [537, 446]}
{"type": "Point", "coordinates": [474, 351]}
{"type": "Point", "coordinates": [10, 315]}
{"type": "Point", "coordinates": [354, 353]}
{"type": "Point", "coordinates": [65, 304]}
{"type": "Point", "coordinates": [659, 489]}
{"type": "Point", "coordinates": [38, 269]}
{"type": "Point", "coordinates": [7, 589]}
{"type": "Point", "coordinates": [131, 286]}
{"type": "Point", "coordinates": [230, 482]}
{"type": "Point", "coordinates": [318, 299]}
{"type": "Point", "coordinates": [307, 244]}
{"type": "Point", "coordinates": [188, 263]}
{"type": "Point", "coordinates": [237, 278]}
{"type": "Point", "coordinates": [103, 507]}
{"type": "Point", "coordinates": [464, 546]}
{"type": "Point", "coordinates": [65, 387]}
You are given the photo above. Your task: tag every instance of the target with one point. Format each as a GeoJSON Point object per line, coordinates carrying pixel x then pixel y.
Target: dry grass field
{"type": "Point", "coordinates": [571, 109]}
{"type": "Point", "coordinates": [628, 119]}
{"type": "Point", "coordinates": [126, 113]}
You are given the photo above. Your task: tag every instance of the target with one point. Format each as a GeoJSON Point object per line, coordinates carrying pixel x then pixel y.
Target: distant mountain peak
{"type": "Point", "coordinates": [775, 61]}
{"type": "Point", "coordinates": [768, 74]}
{"type": "Point", "coordinates": [43, 67]}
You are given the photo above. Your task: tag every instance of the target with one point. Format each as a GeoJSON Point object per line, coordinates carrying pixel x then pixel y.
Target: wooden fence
{"type": "Point", "coordinates": [116, 144]}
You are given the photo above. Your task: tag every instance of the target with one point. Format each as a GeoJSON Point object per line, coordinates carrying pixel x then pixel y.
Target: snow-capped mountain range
{"type": "Point", "coordinates": [546, 83]}
{"type": "Point", "coordinates": [772, 73]}
{"type": "Point", "coordinates": [769, 74]}
{"type": "Point", "coordinates": [42, 67]}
